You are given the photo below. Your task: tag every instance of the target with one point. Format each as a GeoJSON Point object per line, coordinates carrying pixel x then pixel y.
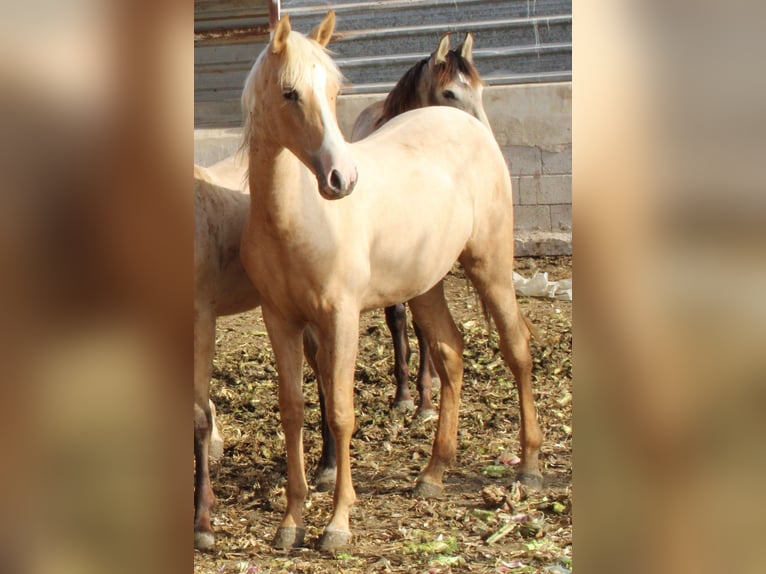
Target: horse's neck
{"type": "Point", "coordinates": [410, 93]}
{"type": "Point", "coordinates": [278, 186]}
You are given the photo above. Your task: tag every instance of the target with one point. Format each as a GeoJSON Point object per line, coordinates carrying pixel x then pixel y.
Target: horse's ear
{"type": "Point", "coordinates": [323, 32]}
{"type": "Point", "coordinates": [466, 48]}
{"type": "Point", "coordinates": [441, 51]}
{"type": "Point", "coordinates": [281, 33]}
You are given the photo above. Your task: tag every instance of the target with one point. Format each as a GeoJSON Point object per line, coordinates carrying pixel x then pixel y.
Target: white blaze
{"type": "Point", "coordinates": [332, 136]}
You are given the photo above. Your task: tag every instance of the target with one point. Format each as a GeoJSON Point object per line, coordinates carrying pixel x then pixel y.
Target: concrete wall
{"type": "Point", "coordinates": [532, 124]}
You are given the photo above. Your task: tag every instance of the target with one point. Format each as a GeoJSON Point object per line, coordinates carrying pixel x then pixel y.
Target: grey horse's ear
{"type": "Point", "coordinates": [281, 33]}
{"type": "Point", "coordinates": [466, 48]}
{"type": "Point", "coordinates": [323, 32]}
{"type": "Point", "coordinates": [440, 57]}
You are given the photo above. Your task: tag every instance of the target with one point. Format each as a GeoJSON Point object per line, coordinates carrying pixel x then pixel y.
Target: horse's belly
{"type": "Point", "coordinates": [405, 267]}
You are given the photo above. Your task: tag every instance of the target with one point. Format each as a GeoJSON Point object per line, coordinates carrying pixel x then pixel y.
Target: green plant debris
{"type": "Point", "coordinates": [497, 471]}
{"type": "Point", "coordinates": [442, 545]}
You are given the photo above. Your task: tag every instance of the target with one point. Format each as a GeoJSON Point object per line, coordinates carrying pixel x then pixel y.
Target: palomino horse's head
{"type": "Point", "coordinates": [289, 100]}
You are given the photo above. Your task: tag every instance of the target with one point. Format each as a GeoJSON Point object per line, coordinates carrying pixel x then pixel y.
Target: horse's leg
{"type": "Point", "coordinates": [324, 479]}
{"type": "Point", "coordinates": [425, 382]}
{"type": "Point", "coordinates": [432, 315]}
{"type": "Point", "coordinates": [396, 319]}
{"type": "Point", "coordinates": [337, 357]}
{"type": "Point", "coordinates": [492, 280]}
{"type": "Point", "coordinates": [204, 499]}
{"type": "Point", "coordinates": [216, 440]}
{"type": "Point", "coordinates": [286, 340]}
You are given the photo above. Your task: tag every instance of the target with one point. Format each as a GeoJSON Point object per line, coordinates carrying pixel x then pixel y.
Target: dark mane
{"type": "Point", "coordinates": [404, 95]}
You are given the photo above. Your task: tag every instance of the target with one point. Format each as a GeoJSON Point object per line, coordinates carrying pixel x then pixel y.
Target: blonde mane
{"type": "Point", "coordinates": [296, 63]}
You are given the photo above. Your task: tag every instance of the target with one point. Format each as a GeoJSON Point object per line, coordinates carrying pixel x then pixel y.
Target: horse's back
{"type": "Point", "coordinates": [366, 122]}
{"type": "Point", "coordinates": [434, 130]}
{"type": "Point", "coordinates": [230, 172]}
{"type": "Point", "coordinates": [436, 146]}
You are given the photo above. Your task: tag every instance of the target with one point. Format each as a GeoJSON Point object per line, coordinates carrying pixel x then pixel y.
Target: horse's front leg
{"type": "Point", "coordinates": [339, 340]}
{"type": "Point", "coordinates": [286, 340]}
{"type": "Point", "coordinates": [324, 479]}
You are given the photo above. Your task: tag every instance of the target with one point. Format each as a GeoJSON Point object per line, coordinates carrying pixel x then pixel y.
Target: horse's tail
{"type": "Point", "coordinates": [485, 312]}
{"type": "Point", "coordinates": [533, 331]}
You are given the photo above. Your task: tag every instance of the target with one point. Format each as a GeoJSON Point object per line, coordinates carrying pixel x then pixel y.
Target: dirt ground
{"type": "Point", "coordinates": [483, 523]}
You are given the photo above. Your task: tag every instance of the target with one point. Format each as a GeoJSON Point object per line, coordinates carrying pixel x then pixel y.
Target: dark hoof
{"type": "Point", "coordinates": [324, 481]}
{"type": "Point", "coordinates": [333, 539]}
{"type": "Point", "coordinates": [406, 406]}
{"type": "Point", "coordinates": [203, 540]}
{"type": "Point", "coordinates": [425, 489]}
{"type": "Point", "coordinates": [425, 415]}
{"type": "Point", "coordinates": [288, 538]}
{"type": "Point", "coordinates": [531, 481]}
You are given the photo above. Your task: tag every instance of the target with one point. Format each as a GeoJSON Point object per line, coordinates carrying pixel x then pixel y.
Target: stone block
{"type": "Point", "coordinates": [557, 162]}
{"type": "Point", "coordinates": [524, 160]}
{"type": "Point", "coordinates": [561, 217]}
{"type": "Point", "coordinates": [515, 187]}
{"type": "Point", "coordinates": [529, 188]}
{"type": "Point", "coordinates": [533, 217]}
{"type": "Point", "coordinates": [537, 243]}
{"type": "Point", "coordinates": [555, 189]}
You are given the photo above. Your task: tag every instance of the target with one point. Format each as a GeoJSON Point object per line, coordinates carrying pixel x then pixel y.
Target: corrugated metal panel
{"type": "Point", "coordinates": [228, 35]}
{"type": "Point", "coordinates": [516, 41]}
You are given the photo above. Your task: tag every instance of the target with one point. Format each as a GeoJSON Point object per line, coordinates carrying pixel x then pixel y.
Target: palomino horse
{"type": "Point", "coordinates": [446, 78]}
{"type": "Point", "coordinates": [319, 254]}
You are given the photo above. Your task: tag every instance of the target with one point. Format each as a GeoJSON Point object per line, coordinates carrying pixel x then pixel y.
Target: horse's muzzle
{"type": "Point", "coordinates": [337, 185]}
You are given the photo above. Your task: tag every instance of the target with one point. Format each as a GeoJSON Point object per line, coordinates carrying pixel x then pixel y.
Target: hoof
{"type": "Point", "coordinates": [333, 539]}
{"type": "Point", "coordinates": [425, 489]}
{"type": "Point", "coordinates": [426, 415]}
{"type": "Point", "coordinates": [531, 481]}
{"type": "Point", "coordinates": [203, 540]}
{"type": "Point", "coordinates": [406, 406]}
{"type": "Point", "coordinates": [324, 481]}
{"type": "Point", "coordinates": [287, 538]}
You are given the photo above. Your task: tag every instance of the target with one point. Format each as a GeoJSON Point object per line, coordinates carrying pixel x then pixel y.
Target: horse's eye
{"type": "Point", "coordinates": [449, 94]}
{"type": "Point", "coordinates": [290, 95]}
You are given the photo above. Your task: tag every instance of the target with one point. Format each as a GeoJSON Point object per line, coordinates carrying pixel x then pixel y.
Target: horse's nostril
{"type": "Point", "coordinates": [336, 180]}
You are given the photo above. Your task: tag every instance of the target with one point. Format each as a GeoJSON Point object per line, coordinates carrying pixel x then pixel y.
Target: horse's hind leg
{"type": "Point", "coordinates": [425, 382]}
{"type": "Point", "coordinates": [396, 319]}
{"type": "Point", "coordinates": [204, 346]}
{"type": "Point", "coordinates": [432, 315]}
{"type": "Point", "coordinates": [286, 341]}
{"type": "Point", "coordinates": [495, 286]}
